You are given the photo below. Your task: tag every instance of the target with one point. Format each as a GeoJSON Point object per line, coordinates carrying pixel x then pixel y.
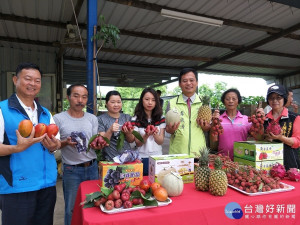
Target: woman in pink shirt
{"type": "Point", "coordinates": [235, 125]}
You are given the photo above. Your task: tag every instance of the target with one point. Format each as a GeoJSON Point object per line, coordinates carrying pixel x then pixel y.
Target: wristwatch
{"type": "Point", "coordinates": [53, 152]}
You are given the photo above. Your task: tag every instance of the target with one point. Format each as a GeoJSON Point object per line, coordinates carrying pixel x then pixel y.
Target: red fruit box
{"type": "Point", "coordinates": [111, 173]}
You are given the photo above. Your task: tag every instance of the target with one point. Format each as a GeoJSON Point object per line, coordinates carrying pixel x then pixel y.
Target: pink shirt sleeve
{"type": "Point", "coordinates": [296, 132]}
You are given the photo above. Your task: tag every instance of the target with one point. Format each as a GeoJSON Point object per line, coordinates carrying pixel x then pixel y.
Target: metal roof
{"type": "Point", "coordinates": [258, 38]}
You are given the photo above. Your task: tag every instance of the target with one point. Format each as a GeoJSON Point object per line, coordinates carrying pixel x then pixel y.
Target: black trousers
{"type": "Point", "coordinates": [28, 208]}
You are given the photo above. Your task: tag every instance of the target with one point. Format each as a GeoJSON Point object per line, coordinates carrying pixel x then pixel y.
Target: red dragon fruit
{"type": "Point", "coordinates": [278, 170]}
{"type": "Point", "coordinates": [274, 128]}
{"type": "Point", "coordinates": [293, 174]}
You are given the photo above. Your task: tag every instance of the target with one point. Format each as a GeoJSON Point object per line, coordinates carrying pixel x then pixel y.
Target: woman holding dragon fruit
{"type": "Point", "coordinates": [148, 121]}
{"type": "Point", "coordinates": [283, 125]}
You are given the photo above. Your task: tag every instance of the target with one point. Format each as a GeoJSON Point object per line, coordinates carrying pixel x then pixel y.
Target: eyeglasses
{"type": "Point", "coordinates": [278, 98]}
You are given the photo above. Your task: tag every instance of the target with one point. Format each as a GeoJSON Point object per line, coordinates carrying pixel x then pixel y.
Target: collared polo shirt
{"type": "Point", "coordinates": [234, 130]}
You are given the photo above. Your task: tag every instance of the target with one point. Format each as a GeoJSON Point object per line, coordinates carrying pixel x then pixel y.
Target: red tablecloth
{"type": "Point", "coordinates": [195, 207]}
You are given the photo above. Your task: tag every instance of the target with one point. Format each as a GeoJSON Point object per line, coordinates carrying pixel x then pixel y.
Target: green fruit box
{"type": "Point", "coordinates": [262, 165]}
{"type": "Point", "coordinates": [159, 165]}
{"type": "Point", "coordinates": [258, 150]}
{"type": "Point", "coordinates": [111, 173]}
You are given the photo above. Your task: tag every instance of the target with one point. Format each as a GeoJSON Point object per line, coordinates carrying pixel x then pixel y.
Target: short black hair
{"type": "Point", "coordinates": [158, 91]}
{"type": "Point", "coordinates": [69, 90]}
{"type": "Point", "coordinates": [187, 70]}
{"type": "Point", "coordinates": [289, 90]}
{"type": "Point", "coordinates": [110, 93]}
{"type": "Point", "coordinates": [27, 65]}
{"type": "Point", "coordinates": [232, 90]}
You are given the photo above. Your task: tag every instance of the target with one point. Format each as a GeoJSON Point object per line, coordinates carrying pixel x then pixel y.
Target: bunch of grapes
{"type": "Point", "coordinates": [80, 138]}
{"type": "Point", "coordinates": [257, 128]}
{"type": "Point", "coordinates": [112, 177]}
{"type": "Point", "coordinates": [216, 128]}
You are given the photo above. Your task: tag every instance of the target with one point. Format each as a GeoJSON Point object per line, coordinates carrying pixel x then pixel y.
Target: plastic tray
{"type": "Point", "coordinates": [121, 210]}
{"type": "Point", "coordinates": [286, 187]}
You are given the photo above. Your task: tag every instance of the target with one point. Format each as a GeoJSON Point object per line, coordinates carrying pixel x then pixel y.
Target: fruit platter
{"type": "Point", "coordinates": [124, 198]}
{"type": "Point", "coordinates": [285, 187]}
{"type": "Point", "coordinates": [138, 207]}
{"type": "Point", "coordinates": [252, 182]}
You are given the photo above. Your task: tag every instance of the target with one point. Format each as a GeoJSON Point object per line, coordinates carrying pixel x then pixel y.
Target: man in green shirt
{"type": "Point", "coordinates": [187, 136]}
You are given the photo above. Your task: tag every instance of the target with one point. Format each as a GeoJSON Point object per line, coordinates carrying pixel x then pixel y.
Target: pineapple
{"type": "Point", "coordinates": [204, 111]}
{"type": "Point", "coordinates": [202, 172]}
{"type": "Point", "coordinates": [218, 180]}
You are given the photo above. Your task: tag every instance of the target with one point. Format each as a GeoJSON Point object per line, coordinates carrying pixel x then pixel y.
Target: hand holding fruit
{"type": "Point", "coordinates": [151, 130]}
{"type": "Point", "coordinates": [98, 143]}
{"type": "Point", "coordinates": [172, 127]}
{"type": "Point", "coordinates": [205, 125]}
{"type": "Point", "coordinates": [216, 128]}
{"type": "Point", "coordinates": [273, 131]}
{"type": "Point", "coordinates": [260, 112]}
{"type": "Point", "coordinates": [216, 114]}
{"type": "Point", "coordinates": [257, 128]}
{"type": "Point", "coordinates": [24, 143]}
{"type": "Point", "coordinates": [127, 127]}
{"type": "Point", "coordinates": [52, 144]}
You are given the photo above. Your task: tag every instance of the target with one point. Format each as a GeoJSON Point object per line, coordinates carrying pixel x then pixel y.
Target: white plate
{"type": "Point", "coordinates": [121, 210]}
{"type": "Point", "coordinates": [286, 187]}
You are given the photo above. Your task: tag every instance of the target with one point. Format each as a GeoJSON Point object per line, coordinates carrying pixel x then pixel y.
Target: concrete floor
{"type": "Point", "coordinates": [60, 205]}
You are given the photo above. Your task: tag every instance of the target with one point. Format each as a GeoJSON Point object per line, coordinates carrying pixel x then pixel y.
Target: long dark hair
{"type": "Point", "coordinates": [140, 112]}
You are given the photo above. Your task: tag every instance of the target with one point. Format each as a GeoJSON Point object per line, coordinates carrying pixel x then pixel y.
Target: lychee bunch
{"type": "Point", "coordinates": [257, 124]}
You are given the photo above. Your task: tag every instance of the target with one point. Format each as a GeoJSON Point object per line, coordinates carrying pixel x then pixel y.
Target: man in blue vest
{"type": "Point", "coordinates": [27, 165]}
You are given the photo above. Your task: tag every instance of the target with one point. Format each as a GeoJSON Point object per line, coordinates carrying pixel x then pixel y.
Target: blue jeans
{"type": "Point", "coordinates": [145, 162]}
{"type": "Point", "coordinates": [72, 177]}
{"type": "Point", "coordinates": [28, 208]}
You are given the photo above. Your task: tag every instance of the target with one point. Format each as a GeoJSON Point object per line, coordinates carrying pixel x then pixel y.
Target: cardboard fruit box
{"type": "Point", "coordinates": [260, 165]}
{"type": "Point", "coordinates": [258, 150]}
{"type": "Point", "coordinates": [180, 163]}
{"type": "Point", "coordinates": [111, 173]}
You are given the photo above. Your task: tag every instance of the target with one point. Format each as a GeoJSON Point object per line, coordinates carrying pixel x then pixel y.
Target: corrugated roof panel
{"type": "Point", "coordinates": [144, 20]}
{"type": "Point", "coordinates": [283, 45]}
{"type": "Point", "coordinates": [268, 60]}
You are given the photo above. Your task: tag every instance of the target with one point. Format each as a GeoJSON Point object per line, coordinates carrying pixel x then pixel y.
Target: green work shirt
{"type": "Point", "coordinates": [189, 138]}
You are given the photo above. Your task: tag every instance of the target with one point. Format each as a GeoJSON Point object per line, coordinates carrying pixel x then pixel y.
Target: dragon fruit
{"type": "Point", "coordinates": [293, 174]}
{"type": "Point", "coordinates": [278, 170]}
{"type": "Point", "coordinates": [274, 128]}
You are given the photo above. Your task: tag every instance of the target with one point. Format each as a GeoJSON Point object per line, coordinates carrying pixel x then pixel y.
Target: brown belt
{"type": "Point", "coordinates": [85, 164]}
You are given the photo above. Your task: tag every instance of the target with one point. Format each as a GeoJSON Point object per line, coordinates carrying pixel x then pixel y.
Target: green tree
{"type": "Point", "coordinates": [252, 100]}
{"type": "Point", "coordinates": [133, 93]}
{"type": "Point", "coordinates": [215, 94]}
{"type": "Point", "coordinates": [175, 91]}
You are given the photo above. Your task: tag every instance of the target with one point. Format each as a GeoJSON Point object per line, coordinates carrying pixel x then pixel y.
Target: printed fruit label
{"type": "Point", "coordinates": [111, 173]}
{"type": "Point", "coordinates": [164, 164]}
{"type": "Point", "coordinates": [258, 151]}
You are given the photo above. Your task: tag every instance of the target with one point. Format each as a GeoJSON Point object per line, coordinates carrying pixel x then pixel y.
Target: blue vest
{"type": "Point", "coordinates": [30, 170]}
